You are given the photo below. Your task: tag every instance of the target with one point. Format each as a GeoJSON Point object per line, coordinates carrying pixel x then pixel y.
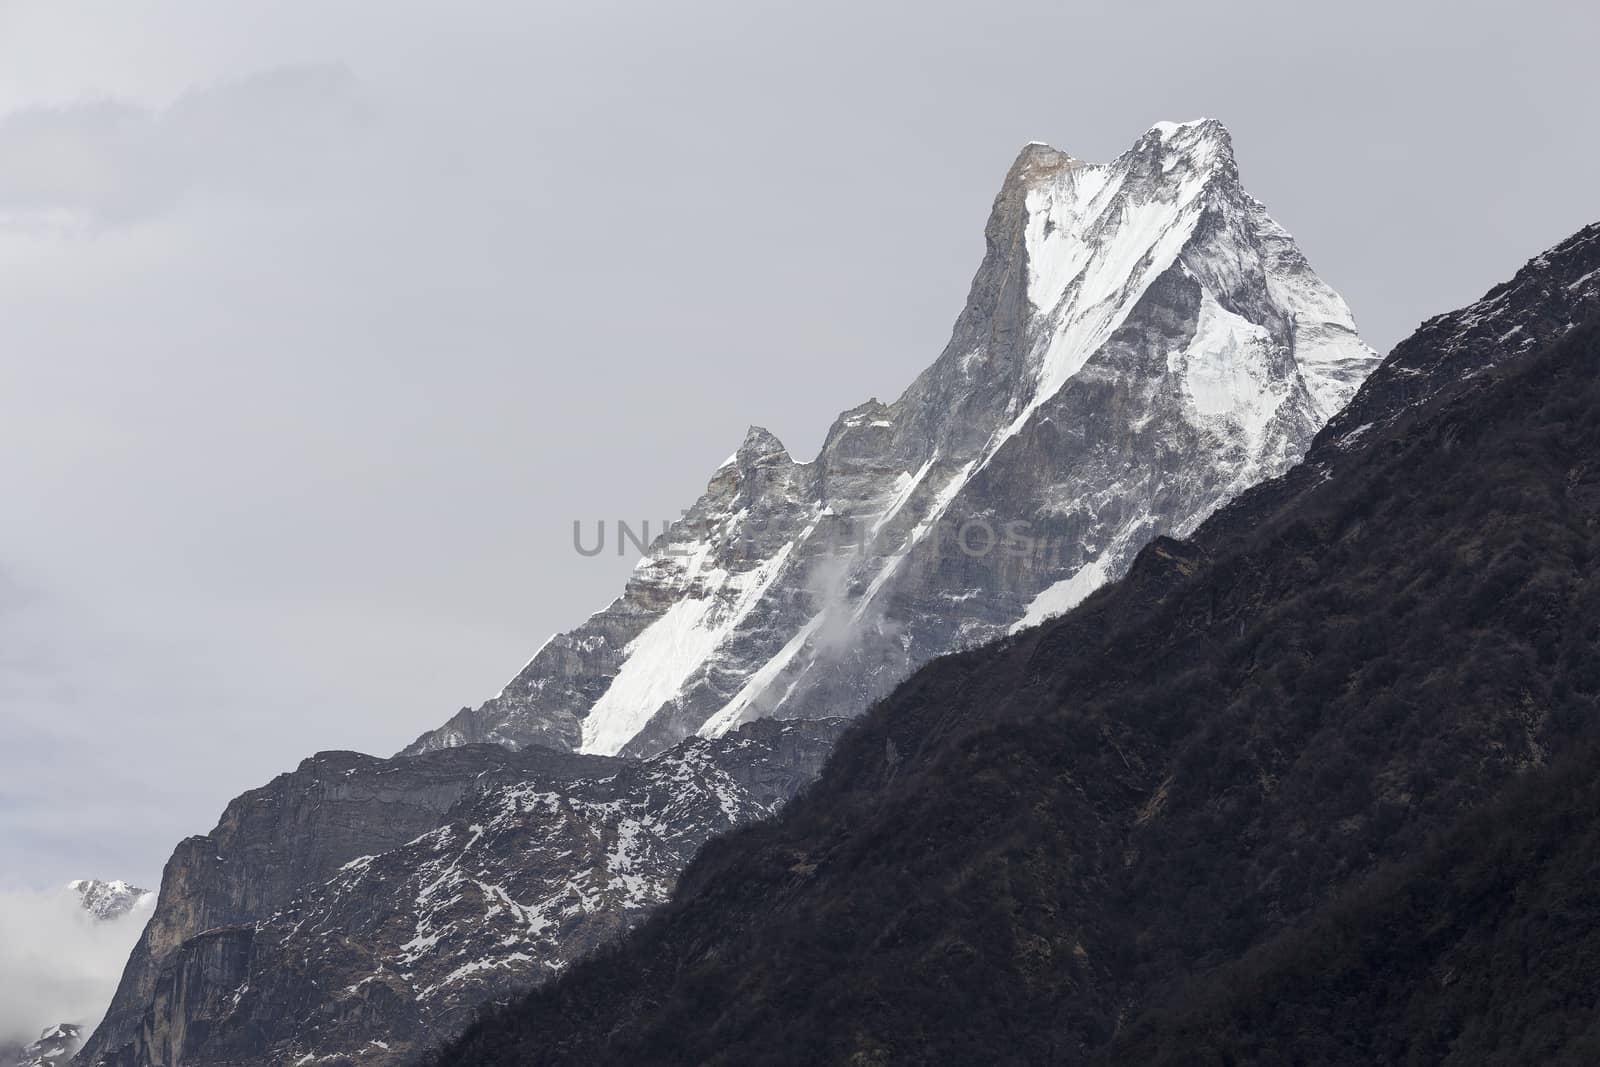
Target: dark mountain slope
{"type": "Point", "coordinates": [1483, 950]}
{"type": "Point", "coordinates": [1021, 855]}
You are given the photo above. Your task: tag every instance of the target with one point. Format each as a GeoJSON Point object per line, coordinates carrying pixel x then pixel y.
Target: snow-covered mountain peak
{"type": "Point", "coordinates": [1197, 147]}
{"type": "Point", "coordinates": [1168, 129]}
{"type": "Point", "coordinates": [1201, 146]}
{"type": "Point", "coordinates": [1097, 235]}
{"type": "Point", "coordinates": [1202, 137]}
{"type": "Point", "coordinates": [1141, 342]}
{"type": "Point", "coordinates": [54, 1048]}
{"type": "Point", "coordinates": [108, 900]}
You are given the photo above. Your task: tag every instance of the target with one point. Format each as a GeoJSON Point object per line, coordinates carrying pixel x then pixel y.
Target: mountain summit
{"type": "Point", "coordinates": [1141, 342]}
{"type": "Point", "coordinates": [107, 901]}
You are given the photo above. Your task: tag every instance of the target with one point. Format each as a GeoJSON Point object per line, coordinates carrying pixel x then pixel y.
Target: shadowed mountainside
{"type": "Point", "coordinates": [1312, 786]}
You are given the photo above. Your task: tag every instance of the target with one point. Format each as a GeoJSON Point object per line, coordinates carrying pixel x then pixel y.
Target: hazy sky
{"type": "Point", "coordinates": [321, 322]}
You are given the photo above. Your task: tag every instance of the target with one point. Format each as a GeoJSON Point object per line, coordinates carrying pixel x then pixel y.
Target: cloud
{"type": "Point", "coordinates": [57, 964]}
{"type": "Point", "coordinates": [109, 162]}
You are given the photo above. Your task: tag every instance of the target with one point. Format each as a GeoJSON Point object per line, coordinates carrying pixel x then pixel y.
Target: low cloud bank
{"type": "Point", "coordinates": [57, 962]}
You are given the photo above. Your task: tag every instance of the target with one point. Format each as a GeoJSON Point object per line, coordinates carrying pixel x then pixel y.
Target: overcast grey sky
{"type": "Point", "coordinates": [321, 322]}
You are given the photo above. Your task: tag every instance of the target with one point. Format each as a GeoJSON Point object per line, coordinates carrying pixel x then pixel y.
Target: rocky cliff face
{"type": "Point", "coordinates": [1141, 342]}
{"type": "Point", "coordinates": [437, 883]}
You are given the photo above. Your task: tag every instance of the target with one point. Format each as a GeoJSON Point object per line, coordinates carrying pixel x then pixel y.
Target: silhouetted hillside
{"type": "Point", "coordinates": [1315, 787]}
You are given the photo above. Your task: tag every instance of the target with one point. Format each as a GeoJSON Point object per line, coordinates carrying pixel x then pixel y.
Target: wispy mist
{"type": "Point", "coordinates": [57, 963]}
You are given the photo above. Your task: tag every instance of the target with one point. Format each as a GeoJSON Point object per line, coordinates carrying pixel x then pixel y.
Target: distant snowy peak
{"type": "Point", "coordinates": [54, 1048]}
{"type": "Point", "coordinates": [107, 901]}
{"type": "Point", "coordinates": [1141, 342]}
